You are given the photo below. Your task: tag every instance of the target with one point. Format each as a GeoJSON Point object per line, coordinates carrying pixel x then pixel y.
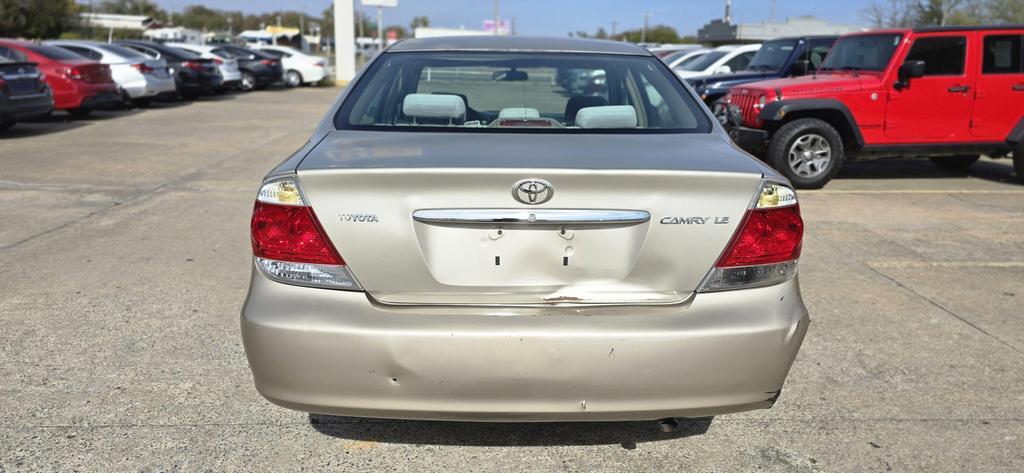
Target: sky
{"type": "Point", "coordinates": [558, 17]}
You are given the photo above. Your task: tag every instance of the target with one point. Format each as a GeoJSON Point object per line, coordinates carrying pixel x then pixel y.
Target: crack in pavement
{"type": "Point", "coordinates": [927, 299]}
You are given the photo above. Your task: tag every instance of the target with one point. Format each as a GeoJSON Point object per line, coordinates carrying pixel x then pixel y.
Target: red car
{"type": "Point", "coordinates": [79, 85]}
{"type": "Point", "coordinates": [947, 93]}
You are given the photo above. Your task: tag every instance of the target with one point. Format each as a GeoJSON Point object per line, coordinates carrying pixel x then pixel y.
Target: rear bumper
{"type": "Point", "coordinates": [151, 86]}
{"type": "Point", "coordinates": [22, 107]}
{"type": "Point", "coordinates": [336, 352]}
{"type": "Point", "coordinates": [100, 101]}
{"type": "Point", "coordinates": [752, 140]}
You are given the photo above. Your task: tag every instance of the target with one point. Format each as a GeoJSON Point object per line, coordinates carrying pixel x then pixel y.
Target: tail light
{"type": "Point", "coordinates": [72, 73]}
{"type": "Point", "coordinates": [289, 243]}
{"type": "Point", "coordinates": [267, 62]}
{"type": "Point", "coordinates": [3, 84]}
{"type": "Point", "coordinates": [194, 65]}
{"type": "Point", "coordinates": [142, 67]}
{"type": "Point", "coordinates": [766, 247]}
{"type": "Point", "coordinates": [218, 61]}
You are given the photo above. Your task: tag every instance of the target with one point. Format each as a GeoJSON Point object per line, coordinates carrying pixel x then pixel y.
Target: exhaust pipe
{"type": "Point", "coordinates": [668, 424]}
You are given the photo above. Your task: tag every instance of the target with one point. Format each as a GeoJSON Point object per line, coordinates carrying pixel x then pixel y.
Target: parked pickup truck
{"type": "Point", "coordinates": [783, 57]}
{"type": "Point", "coordinates": [947, 93]}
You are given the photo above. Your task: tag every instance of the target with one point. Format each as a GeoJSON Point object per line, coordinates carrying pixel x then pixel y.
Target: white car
{"type": "Point", "coordinates": [299, 68]}
{"type": "Point", "coordinates": [721, 60]}
{"type": "Point", "coordinates": [139, 77]}
{"type": "Point", "coordinates": [677, 59]}
{"type": "Point", "coordinates": [226, 63]}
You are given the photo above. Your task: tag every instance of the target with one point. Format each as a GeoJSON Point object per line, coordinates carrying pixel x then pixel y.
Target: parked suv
{"type": "Point", "coordinates": [947, 93]}
{"type": "Point", "coordinates": [784, 57]}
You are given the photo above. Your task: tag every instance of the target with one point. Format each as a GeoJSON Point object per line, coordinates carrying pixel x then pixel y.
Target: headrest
{"type": "Point", "coordinates": [519, 113]}
{"type": "Point", "coordinates": [577, 102]}
{"type": "Point", "coordinates": [433, 106]}
{"type": "Point", "coordinates": [611, 116]}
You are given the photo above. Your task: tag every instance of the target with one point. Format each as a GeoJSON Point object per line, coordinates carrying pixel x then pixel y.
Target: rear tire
{"type": "Point", "coordinates": [292, 79]}
{"type": "Point", "coordinates": [955, 162]}
{"type": "Point", "coordinates": [143, 102]}
{"type": "Point", "coordinates": [808, 151]}
{"type": "Point", "coordinates": [248, 82]}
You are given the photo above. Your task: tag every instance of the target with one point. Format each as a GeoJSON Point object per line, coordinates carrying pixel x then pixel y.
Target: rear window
{"type": "Point", "coordinates": [53, 52]}
{"type": "Point", "coordinates": [122, 51]}
{"type": "Point", "coordinates": [772, 55]}
{"type": "Point", "coordinates": [539, 92]}
{"type": "Point", "coordinates": [702, 62]}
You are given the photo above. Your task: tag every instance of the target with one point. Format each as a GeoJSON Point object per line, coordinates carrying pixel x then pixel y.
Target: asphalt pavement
{"type": "Point", "coordinates": [124, 260]}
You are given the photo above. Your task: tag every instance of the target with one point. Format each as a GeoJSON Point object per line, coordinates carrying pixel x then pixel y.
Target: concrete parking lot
{"type": "Point", "coordinates": [124, 258]}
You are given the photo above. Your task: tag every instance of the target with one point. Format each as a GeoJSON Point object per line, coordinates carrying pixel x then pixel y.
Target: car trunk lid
{"type": "Point", "coordinates": [433, 218]}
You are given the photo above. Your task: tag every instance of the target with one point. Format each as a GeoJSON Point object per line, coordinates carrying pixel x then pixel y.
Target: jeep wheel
{"type": "Point", "coordinates": [807, 151]}
{"type": "Point", "coordinates": [955, 162]}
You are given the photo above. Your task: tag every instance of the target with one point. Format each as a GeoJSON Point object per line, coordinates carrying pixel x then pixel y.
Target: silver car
{"type": "Point", "coordinates": [140, 78]}
{"type": "Point", "coordinates": [464, 238]}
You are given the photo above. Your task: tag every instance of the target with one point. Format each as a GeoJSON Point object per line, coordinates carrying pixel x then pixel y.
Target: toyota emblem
{"type": "Point", "coordinates": [533, 191]}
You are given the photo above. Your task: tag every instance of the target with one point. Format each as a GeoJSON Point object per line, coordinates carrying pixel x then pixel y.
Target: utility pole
{"type": "Point", "coordinates": [728, 12]}
{"type": "Point", "coordinates": [643, 32]}
{"type": "Point", "coordinates": [344, 42]}
{"type": "Point", "coordinates": [614, 25]}
{"type": "Point", "coordinates": [380, 27]}
{"type": "Point", "coordinates": [771, 16]}
{"type": "Point", "coordinates": [497, 18]}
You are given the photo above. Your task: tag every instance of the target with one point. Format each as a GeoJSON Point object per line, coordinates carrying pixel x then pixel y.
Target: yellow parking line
{"type": "Point", "coordinates": [946, 264]}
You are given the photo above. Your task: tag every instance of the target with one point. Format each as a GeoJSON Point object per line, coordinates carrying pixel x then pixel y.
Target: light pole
{"type": "Point", "coordinates": [496, 17]}
{"type": "Point", "coordinates": [344, 42]}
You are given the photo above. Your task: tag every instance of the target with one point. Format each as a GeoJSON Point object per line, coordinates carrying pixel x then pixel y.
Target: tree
{"type": "Point", "coordinates": [655, 34]}
{"type": "Point", "coordinates": [890, 14]}
{"type": "Point", "coordinates": [935, 12]}
{"type": "Point", "coordinates": [419, 22]}
{"type": "Point", "coordinates": [1003, 11]}
{"type": "Point", "coordinates": [601, 33]}
{"type": "Point", "coordinates": [37, 18]}
{"type": "Point", "coordinates": [130, 7]}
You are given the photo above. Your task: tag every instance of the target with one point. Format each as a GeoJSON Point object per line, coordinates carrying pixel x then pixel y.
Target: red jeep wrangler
{"type": "Point", "coordinates": [950, 94]}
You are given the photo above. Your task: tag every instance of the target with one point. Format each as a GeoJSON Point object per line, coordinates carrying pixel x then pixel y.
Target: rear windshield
{"type": "Point", "coordinates": [861, 53]}
{"type": "Point", "coordinates": [702, 62]}
{"type": "Point", "coordinates": [772, 55]}
{"type": "Point", "coordinates": [53, 52]}
{"type": "Point", "coordinates": [534, 93]}
{"type": "Point", "coordinates": [122, 51]}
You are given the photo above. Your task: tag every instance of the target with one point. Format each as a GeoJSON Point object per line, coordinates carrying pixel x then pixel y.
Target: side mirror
{"type": "Point", "coordinates": [909, 70]}
{"type": "Point", "coordinates": [801, 67]}
{"type": "Point", "coordinates": [723, 70]}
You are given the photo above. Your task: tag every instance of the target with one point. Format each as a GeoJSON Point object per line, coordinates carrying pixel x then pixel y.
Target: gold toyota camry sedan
{"type": "Point", "coordinates": [522, 229]}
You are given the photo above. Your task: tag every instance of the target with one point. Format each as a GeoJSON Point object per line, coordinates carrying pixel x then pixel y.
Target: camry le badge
{"type": "Point", "coordinates": [533, 191]}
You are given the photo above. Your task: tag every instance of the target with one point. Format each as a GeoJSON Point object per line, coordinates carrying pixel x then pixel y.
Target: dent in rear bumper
{"type": "Point", "coordinates": [335, 352]}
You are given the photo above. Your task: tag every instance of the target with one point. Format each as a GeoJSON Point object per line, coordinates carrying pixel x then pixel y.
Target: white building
{"type": "Point", "coordinates": [422, 32]}
{"type": "Point", "coordinates": [723, 31]}
{"type": "Point", "coordinates": [178, 34]}
{"type": "Point", "coordinates": [117, 22]}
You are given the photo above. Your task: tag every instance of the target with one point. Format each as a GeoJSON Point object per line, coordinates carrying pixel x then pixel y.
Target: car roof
{"type": "Point", "coordinates": [518, 43]}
